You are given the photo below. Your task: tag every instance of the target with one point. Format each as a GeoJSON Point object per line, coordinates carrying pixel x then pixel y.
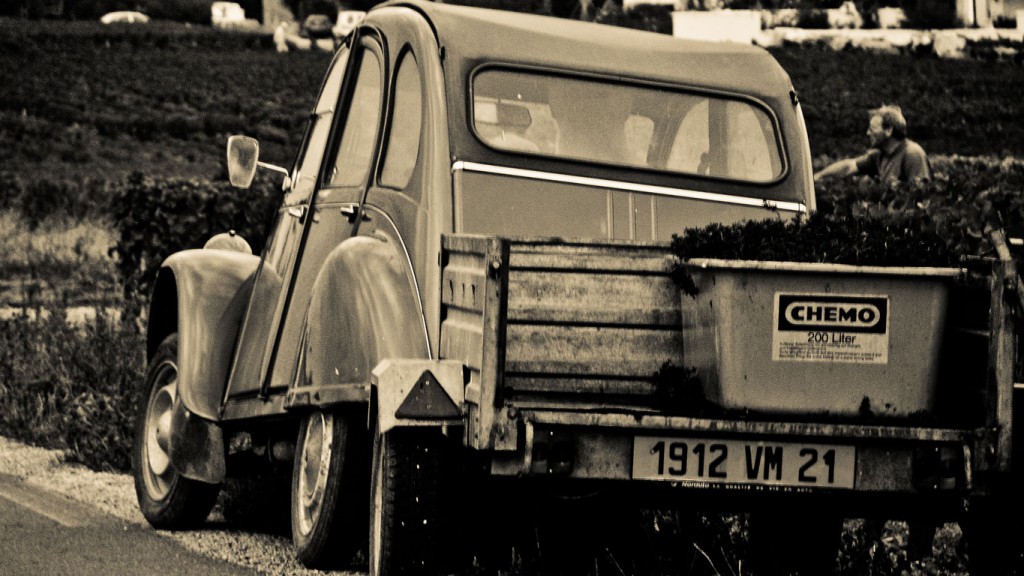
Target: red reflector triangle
{"type": "Point", "coordinates": [427, 399]}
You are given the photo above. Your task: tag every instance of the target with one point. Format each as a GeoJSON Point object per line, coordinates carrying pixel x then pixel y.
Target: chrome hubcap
{"type": "Point", "coordinates": [377, 496]}
{"type": "Point", "coordinates": [313, 468]}
{"type": "Point", "coordinates": [159, 474]}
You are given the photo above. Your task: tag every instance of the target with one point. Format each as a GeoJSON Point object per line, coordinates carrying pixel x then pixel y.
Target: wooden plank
{"type": "Point", "coordinates": [596, 386]}
{"type": "Point", "coordinates": [1002, 357]}
{"type": "Point", "coordinates": [611, 299]}
{"type": "Point", "coordinates": [465, 243]}
{"type": "Point", "coordinates": [573, 247]}
{"type": "Point", "coordinates": [490, 430]}
{"type": "Point", "coordinates": [613, 261]}
{"type": "Point", "coordinates": [590, 351]}
{"type": "Point", "coordinates": [559, 254]}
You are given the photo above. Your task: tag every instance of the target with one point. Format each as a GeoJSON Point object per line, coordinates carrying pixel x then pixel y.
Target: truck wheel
{"type": "Point", "coordinates": [784, 543]}
{"type": "Point", "coordinates": [167, 499]}
{"type": "Point", "coordinates": [329, 489]}
{"type": "Point", "coordinates": [408, 528]}
{"type": "Point", "coordinates": [992, 532]}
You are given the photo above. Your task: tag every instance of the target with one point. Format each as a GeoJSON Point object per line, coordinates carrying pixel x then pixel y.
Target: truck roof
{"type": "Point", "coordinates": [471, 36]}
{"type": "Point", "coordinates": [474, 40]}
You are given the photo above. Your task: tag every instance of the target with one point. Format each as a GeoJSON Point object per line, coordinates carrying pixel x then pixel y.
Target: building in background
{"type": "Point", "coordinates": [983, 13]}
{"type": "Point", "coordinates": [226, 13]}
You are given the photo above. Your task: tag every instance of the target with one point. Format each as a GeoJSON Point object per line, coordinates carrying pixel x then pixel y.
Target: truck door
{"type": "Point", "coordinates": [335, 215]}
{"type": "Point", "coordinates": [365, 301]}
{"type": "Point", "coordinates": [268, 304]}
{"type": "Point", "coordinates": [395, 218]}
{"type": "Point", "coordinates": [409, 198]}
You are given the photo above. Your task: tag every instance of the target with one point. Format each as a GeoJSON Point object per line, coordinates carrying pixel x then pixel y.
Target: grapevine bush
{"type": "Point", "coordinates": [71, 387]}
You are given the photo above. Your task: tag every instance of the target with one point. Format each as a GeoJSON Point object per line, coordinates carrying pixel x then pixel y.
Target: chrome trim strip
{"type": "Point", "coordinates": [628, 186]}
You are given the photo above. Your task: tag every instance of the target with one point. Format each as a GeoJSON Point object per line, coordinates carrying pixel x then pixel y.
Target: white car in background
{"type": "Point", "coordinates": [347, 21]}
{"type": "Point", "coordinates": [124, 17]}
{"type": "Point", "coordinates": [226, 14]}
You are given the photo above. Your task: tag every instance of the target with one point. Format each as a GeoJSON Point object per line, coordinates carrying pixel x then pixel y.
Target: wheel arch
{"type": "Point", "coordinates": [163, 311]}
{"type": "Point", "coordinates": [202, 295]}
{"type": "Point", "coordinates": [364, 308]}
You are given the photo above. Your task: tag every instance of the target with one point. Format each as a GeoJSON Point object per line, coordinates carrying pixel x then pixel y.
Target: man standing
{"type": "Point", "coordinates": [892, 156]}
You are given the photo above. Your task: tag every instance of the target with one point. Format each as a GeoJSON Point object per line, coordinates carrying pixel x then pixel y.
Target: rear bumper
{"type": "Point", "coordinates": [889, 459]}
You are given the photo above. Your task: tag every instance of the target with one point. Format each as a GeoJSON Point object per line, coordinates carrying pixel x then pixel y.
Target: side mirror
{"type": "Point", "coordinates": [243, 157]}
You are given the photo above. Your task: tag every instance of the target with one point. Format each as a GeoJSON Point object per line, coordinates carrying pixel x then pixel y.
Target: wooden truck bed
{"type": "Point", "coordinates": [591, 334]}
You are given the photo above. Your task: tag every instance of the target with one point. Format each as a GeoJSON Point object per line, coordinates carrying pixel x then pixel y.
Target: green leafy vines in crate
{"type": "Point", "coordinates": [864, 222]}
{"type": "Point", "coordinates": [861, 240]}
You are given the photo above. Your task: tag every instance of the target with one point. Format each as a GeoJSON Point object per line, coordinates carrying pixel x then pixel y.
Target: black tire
{"type": "Point", "coordinates": [920, 537]}
{"type": "Point", "coordinates": [785, 543]}
{"type": "Point", "coordinates": [330, 487]}
{"type": "Point", "coordinates": [991, 532]}
{"type": "Point", "coordinates": [168, 500]}
{"type": "Point", "coordinates": [410, 532]}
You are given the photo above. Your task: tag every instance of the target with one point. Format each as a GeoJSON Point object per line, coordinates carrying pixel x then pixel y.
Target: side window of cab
{"type": "Point", "coordinates": [270, 292]}
{"type": "Point", "coordinates": [355, 151]}
{"type": "Point", "coordinates": [406, 126]}
{"type": "Point", "coordinates": [307, 168]}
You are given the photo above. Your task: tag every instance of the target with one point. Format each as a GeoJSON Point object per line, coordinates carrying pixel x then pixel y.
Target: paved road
{"type": "Point", "coordinates": [44, 533]}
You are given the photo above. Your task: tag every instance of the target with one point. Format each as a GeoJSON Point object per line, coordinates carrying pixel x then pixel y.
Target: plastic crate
{"type": "Point", "coordinates": [795, 338]}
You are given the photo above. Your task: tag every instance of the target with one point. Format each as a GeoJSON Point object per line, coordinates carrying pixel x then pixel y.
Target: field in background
{"type": "Point", "coordinates": [86, 102]}
{"type": "Point", "coordinates": [86, 105]}
{"type": "Point", "coordinates": [60, 261]}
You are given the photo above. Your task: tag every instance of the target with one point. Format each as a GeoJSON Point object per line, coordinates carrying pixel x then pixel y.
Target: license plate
{"type": "Point", "coordinates": [703, 460]}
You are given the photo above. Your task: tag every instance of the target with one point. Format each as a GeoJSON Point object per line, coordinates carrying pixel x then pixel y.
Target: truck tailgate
{"type": "Point", "coordinates": [554, 323]}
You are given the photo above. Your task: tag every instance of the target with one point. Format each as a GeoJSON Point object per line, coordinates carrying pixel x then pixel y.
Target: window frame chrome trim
{"type": "Point", "coordinates": [784, 205]}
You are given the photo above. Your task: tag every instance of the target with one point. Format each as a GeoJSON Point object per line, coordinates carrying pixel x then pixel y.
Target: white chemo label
{"type": "Point", "coordinates": [839, 328]}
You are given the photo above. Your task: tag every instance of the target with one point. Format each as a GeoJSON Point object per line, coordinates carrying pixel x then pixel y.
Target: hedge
{"type": "Point", "coordinates": [71, 387]}
{"type": "Point", "coordinates": [155, 218]}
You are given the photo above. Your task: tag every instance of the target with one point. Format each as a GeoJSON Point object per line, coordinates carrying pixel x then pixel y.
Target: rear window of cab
{"type": "Point", "coordinates": [632, 125]}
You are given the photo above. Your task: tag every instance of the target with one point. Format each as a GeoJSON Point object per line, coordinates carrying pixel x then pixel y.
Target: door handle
{"type": "Point", "coordinates": [351, 212]}
{"type": "Point", "coordinates": [298, 212]}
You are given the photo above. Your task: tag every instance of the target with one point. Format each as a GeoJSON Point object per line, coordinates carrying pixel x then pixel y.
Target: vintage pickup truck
{"type": "Point", "coordinates": [469, 280]}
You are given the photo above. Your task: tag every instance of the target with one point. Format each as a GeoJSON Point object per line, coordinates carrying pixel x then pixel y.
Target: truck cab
{"type": "Point", "coordinates": [438, 126]}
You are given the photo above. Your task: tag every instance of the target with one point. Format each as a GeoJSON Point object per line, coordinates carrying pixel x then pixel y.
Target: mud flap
{"type": "Point", "coordinates": [197, 446]}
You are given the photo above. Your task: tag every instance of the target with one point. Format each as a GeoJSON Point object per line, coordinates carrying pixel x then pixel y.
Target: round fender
{"type": "Point", "coordinates": [201, 295]}
{"type": "Point", "coordinates": [363, 309]}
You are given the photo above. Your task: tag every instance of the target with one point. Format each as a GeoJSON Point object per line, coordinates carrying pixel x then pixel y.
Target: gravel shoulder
{"type": "Point", "coordinates": [114, 494]}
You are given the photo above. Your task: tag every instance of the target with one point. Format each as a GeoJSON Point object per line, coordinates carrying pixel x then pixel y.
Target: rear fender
{"type": "Point", "coordinates": [363, 309]}
{"type": "Point", "coordinates": [206, 292]}
{"type": "Point", "coordinates": [202, 295]}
